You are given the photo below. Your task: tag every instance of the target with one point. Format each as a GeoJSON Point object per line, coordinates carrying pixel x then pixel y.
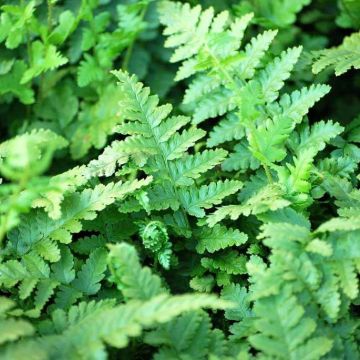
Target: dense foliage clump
{"type": "Point", "coordinates": [179, 180]}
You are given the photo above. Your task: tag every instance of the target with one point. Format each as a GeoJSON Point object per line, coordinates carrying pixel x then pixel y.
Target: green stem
{"type": "Point", "coordinates": [28, 47]}
{"type": "Point", "coordinates": [28, 44]}
{"type": "Point", "coordinates": [49, 27]}
{"type": "Point", "coordinates": [127, 56]}
{"type": "Point", "coordinates": [268, 173]}
{"type": "Point", "coordinates": [49, 16]}
{"type": "Point", "coordinates": [130, 48]}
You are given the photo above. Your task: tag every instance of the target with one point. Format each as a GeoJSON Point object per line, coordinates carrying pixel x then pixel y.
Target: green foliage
{"type": "Point", "coordinates": [227, 74]}
{"type": "Point", "coordinates": [155, 238]}
{"type": "Point", "coordinates": [155, 145]}
{"type": "Point", "coordinates": [349, 15]}
{"type": "Point", "coordinates": [270, 14]}
{"type": "Point", "coordinates": [81, 41]}
{"type": "Point", "coordinates": [341, 58]}
{"type": "Point", "coordinates": [201, 201]}
{"type": "Point", "coordinates": [14, 333]}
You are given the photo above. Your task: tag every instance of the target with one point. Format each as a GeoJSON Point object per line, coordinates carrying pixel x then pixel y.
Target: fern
{"type": "Point", "coordinates": [116, 325]}
{"type": "Point", "coordinates": [229, 80]}
{"type": "Point", "coordinates": [36, 242]}
{"type": "Point", "coordinates": [13, 20]}
{"type": "Point", "coordinates": [189, 335]}
{"type": "Point", "coordinates": [134, 281]}
{"type": "Point", "coordinates": [15, 334]}
{"type": "Point", "coordinates": [155, 144]}
{"type": "Point", "coordinates": [10, 83]}
{"type": "Point", "coordinates": [279, 13]}
{"type": "Point", "coordinates": [288, 338]}
{"type": "Point", "coordinates": [155, 238]}
{"type": "Point", "coordinates": [341, 58]}
{"type": "Point", "coordinates": [23, 159]}
{"type": "Point", "coordinates": [218, 219]}
{"type": "Point", "coordinates": [44, 58]}
{"type": "Point", "coordinates": [218, 238]}
{"type": "Point", "coordinates": [76, 207]}
{"type": "Point", "coordinates": [105, 323]}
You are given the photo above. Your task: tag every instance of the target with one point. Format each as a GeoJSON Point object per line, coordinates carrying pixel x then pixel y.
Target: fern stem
{"type": "Point", "coordinates": [268, 173]}
{"type": "Point", "coordinates": [49, 16]}
{"type": "Point", "coordinates": [28, 45]}
{"type": "Point", "coordinates": [127, 56]}
{"type": "Point", "coordinates": [130, 48]}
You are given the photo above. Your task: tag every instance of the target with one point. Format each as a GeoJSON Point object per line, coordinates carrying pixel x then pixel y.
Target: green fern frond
{"type": "Point", "coordinates": [10, 84]}
{"type": "Point", "coordinates": [91, 273]}
{"type": "Point", "coordinates": [115, 325]}
{"type": "Point", "coordinates": [270, 197]}
{"type": "Point", "coordinates": [186, 336]}
{"type": "Point", "coordinates": [227, 129]}
{"type": "Point", "coordinates": [218, 238]}
{"type": "Point", "coordinates": [231, 262]}
{"type": "Point", "coordinates": [208, 195]}
{"type": "Point", "coordinates": [297, 104]}
{"type": "Point", "coordinates": [89, 71]}
{"type": "Point", "coordinates": [96, 122]}
{"type": "Point", "coordinates": [241, 159]}
{"type": "Point", "coordinates": [134, 281]}
{"type": "Point", "coordinates": [240, 297]}
{"type": "Point", "coordinates": [44, 58]}
{"type": "Point", "coordinates": [341, 58]}
{"type": "Point", "coordinates": [284, 339]}
{"type": "Point", "coordinates": [155, 237]}
{"type": "Point", "coordinates": [75, 208]}
{"type": "Point", "coordinates": [272, 78]}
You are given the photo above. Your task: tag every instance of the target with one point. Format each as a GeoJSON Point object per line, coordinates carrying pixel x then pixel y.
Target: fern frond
{"type": "Point", "coordinates": [134, 281]}
{"type": "Point", "coordinates": [106, 163]}
{"type": "Point", "coordinates": [96, 325]}
{"type": "Point", "coordinates": [186, 336]}
{"type": "Point", "coordinates": [231, 262]}
{"type": "Point", "coordinates": [240, 297]}
{"type": "Point", "coordinates": [272, 78]}
{"type": "Point", "coordinates": [314, 139]}
{"type": "Point", "coordinates": [15, 335]}
{"type": "Point", "coordinates": [187, 28]}
{"type": "Point", "coordinates": [192, 166]}
{"type": "Point", "coordinates": [254, 52]}
{"type": "Point", "coordinates": [91, 273]}
{"type": "Point", "coordinates": [155, 238]}
{"type": "Point", "coordinates": [44, 58]}
{"type": "Point", "coordinates": [297, 104]}
{"type": "Point", "coordinates": [286, 338]}
{"type": "Point", "coordinates": [89, 71]}
{"type": "Point", "coordinates": [96, 122]}
{"type": "Point", "coordinates": [269, 197]}
{"type": "Point", "coordinates": [10, 84]}
{"type": "Point", "coordinates": [218, 238]}
{"type": "Point", "coordinates": [242, 159]}
{"type": "Point", "coordinates": [75, 208]}
{"type": "Point", "coordinates": [207, 196]}
{"type": "Point", "coordinates": [227, 129]}
{"type": "Point", "coordinates": [341, 58]}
